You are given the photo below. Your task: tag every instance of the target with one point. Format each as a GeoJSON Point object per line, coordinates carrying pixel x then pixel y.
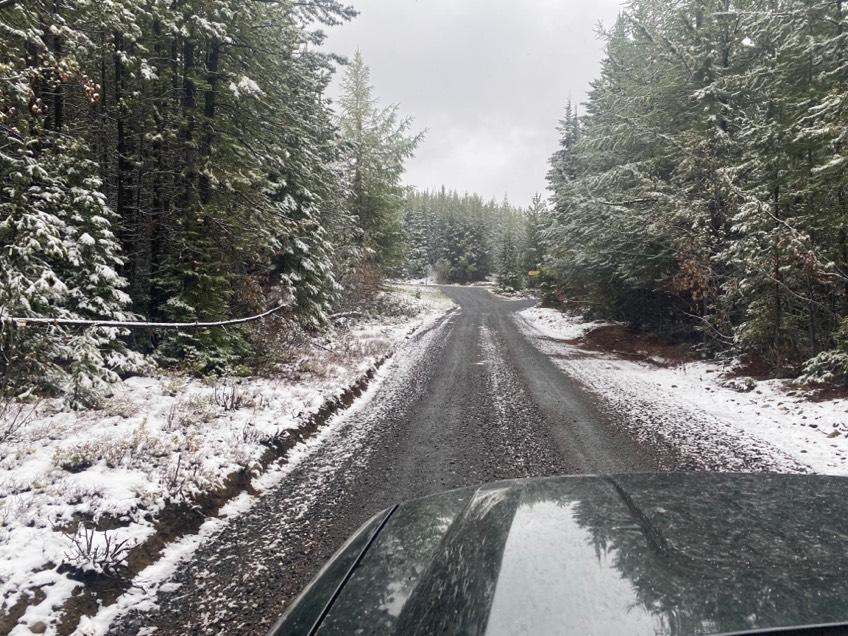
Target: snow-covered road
{"type": "Point", "coordinates": [491, 392]}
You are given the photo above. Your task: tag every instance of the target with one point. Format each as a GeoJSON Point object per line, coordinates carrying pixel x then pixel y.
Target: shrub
{"type": "Point", "coordinates": [231, 397]}
{"type": "Point", "coordinates": [96, 552]}
{"type": "Point", "coordinates": [120, 408]}
{"type": "Point", "coordinates": [194, 411]}
{"type": "Point", "coordinates": [78, 457]}
{"type": "Point", "coordinates": [829, 367]}
{"type": "Point", "coordinates": [14, 416]}
{"type": "Point", "coordinates": [173, 386]}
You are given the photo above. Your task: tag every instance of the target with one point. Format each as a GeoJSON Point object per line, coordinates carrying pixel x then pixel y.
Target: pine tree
{"type": "Point", "coordinates": [510, 276]}
{"type": "Point", "coordinates": [535, 220]}
{"type": "Point", "coordinates": [461, 238]}
{"type": "Point", "coordinates": [703, 190]}
{"type": "Point", "coordinates": [379, 142]}
{"type": "Point", "coordinates": [139, 171]}
{"type": "Point", "coordinates": [58, 254]}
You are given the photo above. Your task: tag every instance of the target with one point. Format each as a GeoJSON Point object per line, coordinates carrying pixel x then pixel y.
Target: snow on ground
{"type": "Point", "coordinates": [556, 324]}
{"type": "Point", "coordinates": [512, 294]}
{"type": "Point", "coordinates": [141, 595]}
{"type": "Point", "coordinates": [424, 280]}
{"type": "Point", "coordinates": [66, 474]}
{"type": "Point", "coordinates": [346, 435]}
{"type": "Point", "coordinates": [697, 409]}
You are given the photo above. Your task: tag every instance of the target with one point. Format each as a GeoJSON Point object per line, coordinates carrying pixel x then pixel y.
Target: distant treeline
{"type": "Point", "coordinates": [460, 238]}
{"type": "Point", "coordinates": [702, 193]}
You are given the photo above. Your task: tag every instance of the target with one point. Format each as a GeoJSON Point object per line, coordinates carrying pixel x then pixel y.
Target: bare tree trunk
{"type": "Point", "coordinates": [778, 277]}
{"type": "Point", "coordinates": [105, 170]}
{"type": "Point", "coordinates": [58, 88]}
{"type": "Point", "coordinates": [151, 232]}
{"type": "Point", "coordinates": [209, 99]}
{"type": "Point", "coordinates": [121, 146]}
{"type": "Point", "coordinates": [186, 137]}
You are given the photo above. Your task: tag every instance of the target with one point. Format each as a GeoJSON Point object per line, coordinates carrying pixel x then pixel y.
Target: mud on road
{"type": "Point", "coordinates": [469, 401]}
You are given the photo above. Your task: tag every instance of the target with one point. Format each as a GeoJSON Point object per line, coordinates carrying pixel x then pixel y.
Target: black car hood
{"type": "Point", "coordinates": [638, 554]}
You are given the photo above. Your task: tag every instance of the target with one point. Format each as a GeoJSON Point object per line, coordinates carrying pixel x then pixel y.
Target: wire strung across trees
{"type": "Point", "coordinates": [133, 324]}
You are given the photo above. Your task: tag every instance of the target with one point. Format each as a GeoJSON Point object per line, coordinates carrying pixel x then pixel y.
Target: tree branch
{"type": "Point", "coordinates": [624, 204]}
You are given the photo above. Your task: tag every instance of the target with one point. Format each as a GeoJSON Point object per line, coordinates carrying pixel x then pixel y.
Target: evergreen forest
{"type": "Point", "coordinates": [176, 162]}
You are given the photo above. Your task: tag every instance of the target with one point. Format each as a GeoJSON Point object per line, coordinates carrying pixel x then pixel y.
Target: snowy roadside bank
{"type": "Point", "coordinates": [523, 294]}
{"type": "Point", "coordinates": [82, 493]}
{"type": "Point", "coordinates": [697, 408]}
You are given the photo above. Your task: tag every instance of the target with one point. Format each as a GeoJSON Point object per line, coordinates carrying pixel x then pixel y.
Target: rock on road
{"type": "Point", "coordinates": [469, 401]}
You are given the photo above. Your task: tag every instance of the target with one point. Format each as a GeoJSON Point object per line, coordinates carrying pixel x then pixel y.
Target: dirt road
{"type": "Point", "coordinates": [469, 401]}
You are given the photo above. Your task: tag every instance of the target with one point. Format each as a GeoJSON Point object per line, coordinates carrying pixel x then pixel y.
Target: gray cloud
{"type": "Point", "coordinates": [488, 79]}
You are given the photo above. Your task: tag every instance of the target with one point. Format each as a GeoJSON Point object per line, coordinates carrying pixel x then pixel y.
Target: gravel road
{"type": "Point", "coordinates": [466, 402]}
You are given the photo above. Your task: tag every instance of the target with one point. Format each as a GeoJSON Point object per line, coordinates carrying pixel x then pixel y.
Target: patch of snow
{"type": "Point", "coordinates": [557, 325]}
{"type": "Point", "coordinates": [430, 279]}
{"type": "Point", "coordinates": [245, 87]}
{"type": "Point", "coordinates": [694, 407]}
{"type": "Point", "coordinates": [524, 294]}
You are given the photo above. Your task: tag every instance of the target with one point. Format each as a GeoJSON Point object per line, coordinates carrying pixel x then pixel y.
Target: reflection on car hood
{"type": "Point", "coordinates": [639, 554]}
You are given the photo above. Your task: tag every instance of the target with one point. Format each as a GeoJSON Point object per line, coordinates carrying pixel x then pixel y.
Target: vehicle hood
{"type": "Point", "coordinates": [652, 554]}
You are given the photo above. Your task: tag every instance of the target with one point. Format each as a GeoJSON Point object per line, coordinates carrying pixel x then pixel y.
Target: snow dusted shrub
{"type": "Point", "coordinates": [191, 412]}
{"type": "Point", "coordinates": [829, 367]}
{"type": "Point", "coordinates": [174, 478]}
{"type": "Point", "coordinates": [275, 342]}
{"type": "Point", "coordinates": [251, 436]}
{"type": "Point", "coordinates": [174, 386]}
{"type": "Point", "coordinates": [172, 418]}
{"type": "Point", "coordinates": [184, 477]}
{"type": "Point", "coordinates": [113, 452]}
{"type": "Point", "coordinates": [146, 445]}
{"type": "Point", "coordinates": [247, 448]}
{"type": "Point", "coordinates": [93, 552]}
{"type": "Point", "coordinates": [14, 416]}
{"type": "Point", "coordinates": [78, 457]}
{"type": "Point", "coordinates": [231, 397]}
{"type": "Point", "coordinates": [194, 411]}
{"type": "Point", "coordinates": [84, 455]}
{"type": "Point", "coordinates": [120, 408]}
{"type": "Point", "coordinates": [14, 508]}
{"type": "Point", "coordinates": [395, 305]}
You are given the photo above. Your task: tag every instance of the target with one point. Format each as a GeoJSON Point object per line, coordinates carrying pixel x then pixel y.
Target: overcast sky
{"type": "Point", "coordinates": [487, 79]}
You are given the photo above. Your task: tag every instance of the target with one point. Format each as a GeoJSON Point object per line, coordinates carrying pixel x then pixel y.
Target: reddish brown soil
{"type": "Point", "coordinates": [752, 366]}
{"type": "Point", "coordinates": [621, 341]}
{"type": "Point", "coordinates": [626, 343]}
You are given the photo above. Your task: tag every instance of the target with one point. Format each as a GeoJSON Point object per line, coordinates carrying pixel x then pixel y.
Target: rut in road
{"type": "Point", "coordinates": [467, 402]}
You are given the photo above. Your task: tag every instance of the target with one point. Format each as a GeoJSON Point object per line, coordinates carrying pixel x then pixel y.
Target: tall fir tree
{"type": "Point", "coordinates": [378, 142]}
